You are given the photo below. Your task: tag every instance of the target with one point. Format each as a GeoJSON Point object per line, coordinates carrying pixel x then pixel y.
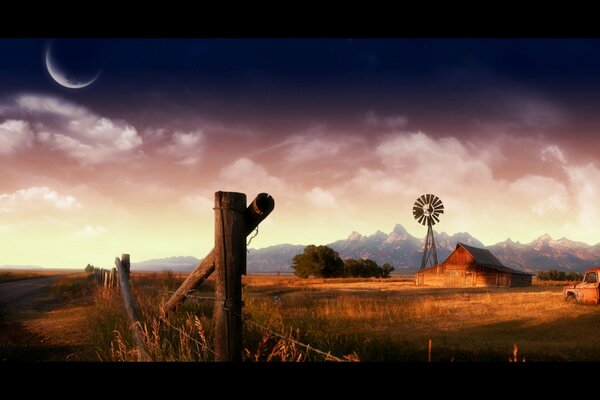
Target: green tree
{"type": "Point", "coordinates": [366, 269]}
{"type": "Point", "coordinates": [318, 261]}
{"type": "Point", "coordinates": [386, 270]}
{"type": "Point", "coordinates": [89, 268]}
{"type": "Point", "coordinates": [351, 268]}
{"type": "Point", "coordinates": [554, 275]}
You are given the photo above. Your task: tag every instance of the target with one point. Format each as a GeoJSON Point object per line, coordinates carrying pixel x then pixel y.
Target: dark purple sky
{"type": "Point", "coordinates": [344, 133]}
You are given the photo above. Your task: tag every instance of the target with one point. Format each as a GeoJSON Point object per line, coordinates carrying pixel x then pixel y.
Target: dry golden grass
{"type": "Point", "coordinates": [393, 321]}
{"type": "Point", "coordinates": [364, 319]}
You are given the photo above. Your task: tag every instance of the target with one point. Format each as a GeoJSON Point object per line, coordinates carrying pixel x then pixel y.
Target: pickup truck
{"type": "Point", "coordinates": [585, 292]}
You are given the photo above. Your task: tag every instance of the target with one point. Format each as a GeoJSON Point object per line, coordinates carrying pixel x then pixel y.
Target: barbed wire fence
{"type": "Point", "coordinates": [246, 317]}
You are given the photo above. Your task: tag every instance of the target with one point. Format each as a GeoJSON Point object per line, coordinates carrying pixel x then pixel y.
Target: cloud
{"type": "Point", "coordinates": [390, 122]}
{"type": "Point", "coordinates": [479, 191]}
{"type": "Point", "coordinates": [246, 175]}
{"type": "Point", "coordinates": [199, 203]}
{"type": "Point", "coordinates": [321, 198]}
{"type": "Point", "coordinates": [584, 181]}
{"type": "Point", "coordinates": [310, 147]}
{"type": "Point", "coordinates": [83, 135]}
{"type": "Point", "coordinates": [423, 161]}
{"type": "Point", "coordinates": [185, 146]}
{"type": "Point", "coordinates": [543, 194]}
{"type": "Point", "coordinates": [89, 231]}
{"type": "Point", "coordinates": [15, 135]}
{"type": "Point", "coordinates": [36, 196]}
{"type": "Point", "coordinates": [553, 153]}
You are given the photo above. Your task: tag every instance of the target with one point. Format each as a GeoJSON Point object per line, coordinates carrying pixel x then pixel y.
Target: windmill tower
{"type": "Point", "coordinates": [426, 211]}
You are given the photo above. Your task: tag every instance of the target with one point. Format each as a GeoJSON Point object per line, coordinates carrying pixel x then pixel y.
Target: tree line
{"type": "Point", "coordinates": [554, 275]}
{"type": "Point", "coordinates": [324, 262]}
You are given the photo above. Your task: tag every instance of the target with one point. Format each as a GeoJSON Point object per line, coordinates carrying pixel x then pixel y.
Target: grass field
{"type": "Point", "coordinates": [360, 319]}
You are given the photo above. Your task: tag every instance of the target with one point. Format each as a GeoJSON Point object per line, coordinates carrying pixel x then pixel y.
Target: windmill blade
{"type": "Point", "coordinates": [424, 199]}
{"type": "Point", "coordinates": [418, 202]}
{"type": "Point", "coordinates": [429, 198]}
{"type": "Point", "coordinates": [415, 208]}
{"type": "Point", "coordinates": [430, 221]}
{"type": "Point", "coordinates": [421, 219]}
{"type": "Point", "coordinates": [436, 201]}
{"type": "Point", "coordinates": [435, 218]}
{"type": "Point", "coordinates": [441, 207]}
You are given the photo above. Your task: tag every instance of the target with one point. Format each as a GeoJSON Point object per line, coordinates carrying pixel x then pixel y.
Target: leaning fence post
{"type": "Point", "coordinates": [230, 262]}
{"type": "Point", "coordinates": [132, 312]}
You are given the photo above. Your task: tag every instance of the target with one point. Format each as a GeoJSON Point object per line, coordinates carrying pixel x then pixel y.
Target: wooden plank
{"type": "Point", "coordinates": [230, 258]}
{"type": "Point", "coordinates": [257, 211]}
{"type": "Point", "coordinates": [132, 312]}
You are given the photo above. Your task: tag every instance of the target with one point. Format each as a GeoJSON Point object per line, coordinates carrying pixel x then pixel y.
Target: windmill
{"type": "Point", "coordinates": [426, 211]}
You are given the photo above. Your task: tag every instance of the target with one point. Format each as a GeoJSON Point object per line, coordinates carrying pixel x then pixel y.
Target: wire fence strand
{"type": "Point", "coordinates": [308, 347]}
{"type": "Point", "coordinates": [172, 292]}
{"type": "Point", "coordinates": [248, 318]}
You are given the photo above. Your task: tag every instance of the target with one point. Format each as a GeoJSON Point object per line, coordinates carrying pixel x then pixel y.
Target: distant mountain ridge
{"type": "Point", "coordinates": [180, 264]}
{"type": "Point", "coordinates": [404, 251]}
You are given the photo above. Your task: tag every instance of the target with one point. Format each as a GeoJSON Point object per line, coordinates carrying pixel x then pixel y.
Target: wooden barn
{"type": "Point", "coordinates": [469, 266]}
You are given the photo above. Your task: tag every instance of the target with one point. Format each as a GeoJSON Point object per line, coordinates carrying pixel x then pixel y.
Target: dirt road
{"type": "Point", "coordinates": [24, 331]}
{"type": "Point", "coordinates": [12, 293]}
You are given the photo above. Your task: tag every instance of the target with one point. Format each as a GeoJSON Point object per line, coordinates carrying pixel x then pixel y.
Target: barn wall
{"type": "Point", "coordinates": [487, 279]}
{"type": "Point", "coordinates": [429, 279]}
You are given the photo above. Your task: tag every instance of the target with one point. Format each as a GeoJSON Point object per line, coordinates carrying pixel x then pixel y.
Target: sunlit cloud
{"type": "Point", "coordinates": [36, 196]}
{"type": "Point", "coordinates": [15, 135]}
{"type": "Point", "coordinates": [197, 203]}
{"type": "Point", "coordinates": [75, 130]}
{"type": "Point", "coordinates": [89, 231]}
{"type": "Point", "coordinates": [552, 153]}
{"type": "Point", "coordinates": [245, 174]}
{"type": "Point", "coordinates": [185, 147]}
{"type": "Point", "coordinates": [321, 198]}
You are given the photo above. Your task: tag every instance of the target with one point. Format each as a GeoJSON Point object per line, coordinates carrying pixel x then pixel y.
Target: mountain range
{"type": "Point", "coordinates": [404, 252]}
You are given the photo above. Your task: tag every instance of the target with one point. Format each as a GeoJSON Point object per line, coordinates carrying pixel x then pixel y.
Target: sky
{"type": "Point", "coordinates": [345, 134]}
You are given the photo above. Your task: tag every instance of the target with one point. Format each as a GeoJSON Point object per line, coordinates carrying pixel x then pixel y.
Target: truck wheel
{"type": "Point", "coordinates": [570, 298]}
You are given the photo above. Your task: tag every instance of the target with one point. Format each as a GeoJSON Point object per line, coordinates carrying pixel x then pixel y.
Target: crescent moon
{"type": "Point", "coordinates": [62, 79]}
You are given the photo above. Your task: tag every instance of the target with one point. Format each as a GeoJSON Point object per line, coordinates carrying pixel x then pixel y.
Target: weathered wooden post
{"type": "Point", "coordinates": [230, 263]}
{"type": "Point", "coordinates": [132, 312]}
{"type": "Point", "coordinates": [256, 212]}
{"type": "Point", "coordinates": [126, 264]}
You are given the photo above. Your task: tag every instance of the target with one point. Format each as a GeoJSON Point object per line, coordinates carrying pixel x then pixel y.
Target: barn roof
{"type": "Point", "coordinates": [485, 258]}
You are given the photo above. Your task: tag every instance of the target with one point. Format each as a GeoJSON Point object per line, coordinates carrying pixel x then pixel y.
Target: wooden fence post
{"type": "Point", "coordinates": [126, 264]}
{"type": "Point", "coordinates": [256, 212]}
{"type": "Point", "coordinates": [132, 312]}
{"type": "Point", "coordinates": [230, 261]}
